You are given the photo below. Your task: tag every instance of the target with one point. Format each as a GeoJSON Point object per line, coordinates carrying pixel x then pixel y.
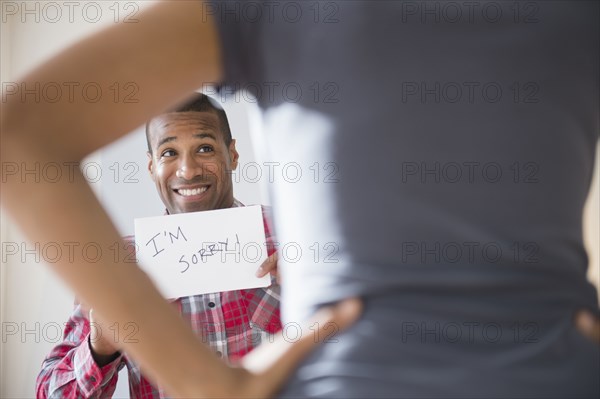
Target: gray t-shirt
{"type": "Point", "coordinates": [442, 150]}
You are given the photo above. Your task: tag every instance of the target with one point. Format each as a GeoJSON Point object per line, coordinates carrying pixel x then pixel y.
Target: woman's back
{"type": "Point", "coordinates": [445, 153]}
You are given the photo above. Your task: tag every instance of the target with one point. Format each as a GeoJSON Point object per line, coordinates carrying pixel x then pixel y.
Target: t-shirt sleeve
{"type": "Point", "coordinates": [240, 44]}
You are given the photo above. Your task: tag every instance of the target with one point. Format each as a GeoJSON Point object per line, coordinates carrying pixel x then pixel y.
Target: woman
{"type": "Point", "coordinates": [437, 144]}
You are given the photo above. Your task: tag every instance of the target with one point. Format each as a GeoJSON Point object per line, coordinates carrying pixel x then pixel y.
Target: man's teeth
{"type": "Point", "coordinates": [195, 191]}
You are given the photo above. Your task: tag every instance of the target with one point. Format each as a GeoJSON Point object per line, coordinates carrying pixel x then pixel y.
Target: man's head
{"type": "Point", "coordinates": [191, 155]}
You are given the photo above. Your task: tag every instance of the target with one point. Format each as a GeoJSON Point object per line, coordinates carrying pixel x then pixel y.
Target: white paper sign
{"type": "Point", "coordinates": [202, 252]}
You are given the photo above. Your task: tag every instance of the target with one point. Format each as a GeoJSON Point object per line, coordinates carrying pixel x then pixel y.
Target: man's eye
{"type": "Point", "coordinates": [168, 153]}
{"type": "Point", "coordinates": [205, 148]}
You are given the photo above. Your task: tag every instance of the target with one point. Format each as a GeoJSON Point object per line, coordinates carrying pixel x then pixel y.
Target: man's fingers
{"type": "Point", "coordinates": [268, 266]}
{"type": "Point", "coordinates": [275, 362]}
{"type": "Point", "coordinates": [588, 325]}
{"type": "Point", "coordinates": [277, 277]}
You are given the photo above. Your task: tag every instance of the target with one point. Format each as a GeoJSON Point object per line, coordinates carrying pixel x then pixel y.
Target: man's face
{"type": "Point", "coordinates": [190, 162]}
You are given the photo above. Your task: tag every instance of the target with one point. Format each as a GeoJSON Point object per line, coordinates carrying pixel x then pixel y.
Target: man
{"type": "Point", "coordinates": [191, 155]}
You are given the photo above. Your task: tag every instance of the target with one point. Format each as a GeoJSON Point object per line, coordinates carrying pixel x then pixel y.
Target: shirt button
{"type": "Point", "coordinates": [93, 379]}
{"type": "Point", "coordinates": [211, 304]}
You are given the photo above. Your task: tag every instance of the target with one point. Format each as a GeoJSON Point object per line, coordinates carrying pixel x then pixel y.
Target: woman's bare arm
{"type": "Point", "coordinates": [172, 50]}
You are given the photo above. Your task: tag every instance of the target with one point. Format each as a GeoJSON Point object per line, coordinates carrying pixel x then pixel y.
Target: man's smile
{"type": "Point", "coordinates": [191, 192]}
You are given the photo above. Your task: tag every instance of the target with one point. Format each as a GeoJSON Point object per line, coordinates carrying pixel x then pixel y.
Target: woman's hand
{"type": "Point", "coordinates": [268, 367]}
{"type": "Point", "coordinates": [588, 324]}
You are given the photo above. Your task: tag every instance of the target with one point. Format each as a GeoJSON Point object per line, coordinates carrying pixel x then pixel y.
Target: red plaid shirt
{"type": "Point", "coordinates": [232, 323]}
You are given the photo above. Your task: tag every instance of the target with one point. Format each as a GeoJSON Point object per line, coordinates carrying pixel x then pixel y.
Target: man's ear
{"type": "Point", "coordinates": [150, 164]}
{"type": "Point", "coordinates": [233, 154]}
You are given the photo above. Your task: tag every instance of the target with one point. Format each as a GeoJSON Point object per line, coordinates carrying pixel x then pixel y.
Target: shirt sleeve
{"type": "Point", "coordinates": [240, 49]}
{"type": "Point", "coordinates": [263, 308]}
{"type": "Point", "coordinates": [69, 371]}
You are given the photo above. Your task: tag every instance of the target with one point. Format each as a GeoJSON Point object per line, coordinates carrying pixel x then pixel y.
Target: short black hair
{"type": "Point", "coordinates": [200, 103]}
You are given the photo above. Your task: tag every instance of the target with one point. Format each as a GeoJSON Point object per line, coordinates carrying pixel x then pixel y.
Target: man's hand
{"type": "Point", "coordinates": [103, 351]}
{"type": "Point", "coordinates": [269, 266]}
{"type": "Point", "coordinates": [588, 325]}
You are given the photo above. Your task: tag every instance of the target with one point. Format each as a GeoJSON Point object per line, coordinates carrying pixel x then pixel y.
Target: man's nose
{"type": "Point", "coordinates": [188, 168]}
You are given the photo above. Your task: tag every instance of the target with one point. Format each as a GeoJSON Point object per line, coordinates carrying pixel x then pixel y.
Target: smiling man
{"type": "Point", "coordinates": [191, 155]}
